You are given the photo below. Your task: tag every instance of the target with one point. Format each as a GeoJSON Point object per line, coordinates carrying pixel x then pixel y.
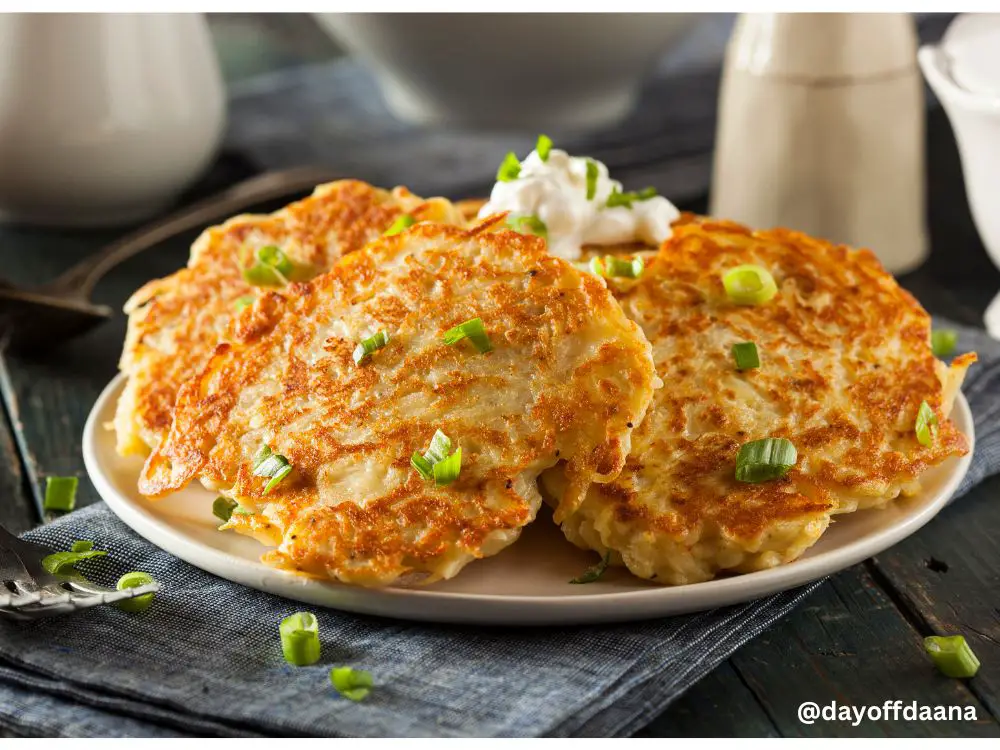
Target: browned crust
{"type": "Point", "coordinates": [568, 377]}
{"type": "Point", "coordinates": [175, 322]}
{"type": "Point", "coordinates": [846, 362]}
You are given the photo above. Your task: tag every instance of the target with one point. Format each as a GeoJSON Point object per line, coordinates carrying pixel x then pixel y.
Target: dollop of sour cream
{"type": "Point", "coordinates": [555, 191]}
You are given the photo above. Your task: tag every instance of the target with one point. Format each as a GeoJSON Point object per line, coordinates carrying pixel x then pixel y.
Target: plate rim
{"type": "Point", "coordinates": [582, 608]}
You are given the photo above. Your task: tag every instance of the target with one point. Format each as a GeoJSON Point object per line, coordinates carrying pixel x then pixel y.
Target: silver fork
{"type": "Point", "coordinates": [28, 591]}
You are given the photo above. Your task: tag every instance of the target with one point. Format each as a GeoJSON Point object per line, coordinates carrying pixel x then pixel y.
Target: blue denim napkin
{"type": "Point", "coordinates": [206, 658]}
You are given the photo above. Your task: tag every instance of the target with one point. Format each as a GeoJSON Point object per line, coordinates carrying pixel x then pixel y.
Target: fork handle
{"type": "Point", "coordinates": [79, 281]}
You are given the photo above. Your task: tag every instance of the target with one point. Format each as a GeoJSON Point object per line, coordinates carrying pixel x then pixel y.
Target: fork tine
{"type": "Point", "coordinates": [35, 604]}
{"type": "Point", "coordinates": [19, 601]}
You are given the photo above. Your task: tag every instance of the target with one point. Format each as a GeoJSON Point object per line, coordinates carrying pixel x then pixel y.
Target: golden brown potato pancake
{"type": "Point", "coordinates": [845, 362]}
{"type": "Point", "coordinates": [567, 379]}
{"type": "Point", "coordinates": [176, 322]}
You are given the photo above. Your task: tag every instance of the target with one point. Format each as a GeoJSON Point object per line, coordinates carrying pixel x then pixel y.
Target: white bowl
{"type": "Point", "coordinates": [533, 71]}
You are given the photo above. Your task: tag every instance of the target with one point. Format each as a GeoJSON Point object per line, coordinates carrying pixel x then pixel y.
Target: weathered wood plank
{"type": "Point", "coordinates": [848, 643]}
{"type": "Point", "coordinates": [16, 509]}
{"type": "Point", "coordinates": [719, 704]}
{"type": "Point", "coordinates": [948, 578]}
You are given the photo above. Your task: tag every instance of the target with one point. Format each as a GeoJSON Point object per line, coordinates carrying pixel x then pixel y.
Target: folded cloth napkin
{"type": "Point", "coordinates": [206, 658]}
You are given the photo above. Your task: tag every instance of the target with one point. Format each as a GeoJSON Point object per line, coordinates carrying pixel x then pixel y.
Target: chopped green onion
{"type": "Point", "coordinates": [952, 655]}
{"type": "Point", "coordinates": [749, 285]}
{"type": "Point", "coordinates": [528, 224]}
{"type": "Point", "coordinates": [60, 493]}
{"type": "Point", "coordinates": [509, 169]}
{"type": "Point", "coordinates": [927, 424]}
{"type": "Point", "coordinates": [353, 684]}
{"type": "Point", "coordinates": [474, 331]}
{"type": "Point", "coordinates": [543, 147]}
{"type": "Point", "coordinates": [84, 545]}
{"type": "Point", "coordinates": [943, 342]}
{"type": "Point", "coordinates": [618, 198]}
{"type": "Point", "coordinates": [223, 508]}
{"type": "Point", "coordinates": [61, 563]}
{"type": "Point", "coordinates": [447, 470]}
{"type": "Point", "coordinates": [594, 572]}
{"type": "Point", "coordinates": [369, 345]}
{"type": "Point", "coordinates": [592, 174]}
{"type": "Point", "coordinates": [424, 467]}
{"type": "Point", "coordinates": [243, 302]}
{"type": "Point", "coordinates": [439, 448]}
{"type": "Point", "coordinates": [269, 464]}
{"type": "Point", "coordinates": [746, 356]}
{"type": "Point", "coordinates": [438, 463]}
{"type": "Point", "coordinates": [300, 639]}
{"type": "Point", "coordinates": [132, 581]}
{"type": "Point", "coordinates": [611, 266]}
{"type": "Point", "coordinates": [761, 460]}
{"type": "Point", "coordinates": [272, 267]}
{"type": "Point", "coordinates": [401, 223]}
{"type": "Point", "coordinates": [283, 472]}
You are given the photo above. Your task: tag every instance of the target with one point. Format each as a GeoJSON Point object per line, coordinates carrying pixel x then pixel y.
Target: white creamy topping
{"type": "Point", "coordinates": [555, 191]}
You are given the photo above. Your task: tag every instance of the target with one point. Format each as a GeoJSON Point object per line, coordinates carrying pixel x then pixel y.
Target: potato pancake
{"type": "Point", "coordinates": [566, 380]}
{"type": "Point", "coordinates": [845, 363]}
{"type": "Point", "coordinates": [175, 323]}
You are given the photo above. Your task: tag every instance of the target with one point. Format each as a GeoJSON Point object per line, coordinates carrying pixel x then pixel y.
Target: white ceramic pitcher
{"type": "Point", "coordinates": [964, 71]}
{"type": "Point", "coordinates": [104, 118]}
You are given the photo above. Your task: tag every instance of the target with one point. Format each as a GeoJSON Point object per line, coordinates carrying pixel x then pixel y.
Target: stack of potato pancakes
{"type": "Point", "coordinates": [381, 388]}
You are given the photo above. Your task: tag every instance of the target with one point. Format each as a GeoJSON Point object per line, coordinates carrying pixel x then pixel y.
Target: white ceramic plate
{"type": "Point", "coordinates": [526, 584]}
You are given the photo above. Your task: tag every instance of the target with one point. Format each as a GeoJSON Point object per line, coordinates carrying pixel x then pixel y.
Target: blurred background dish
{"type": "Point", "coordinates": [509, 70]}
{"type": "Point", "coordinates": [104, 118]}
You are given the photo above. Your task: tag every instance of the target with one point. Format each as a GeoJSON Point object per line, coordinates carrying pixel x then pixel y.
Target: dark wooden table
{"type": "Point", "coordinates": [857, 640]}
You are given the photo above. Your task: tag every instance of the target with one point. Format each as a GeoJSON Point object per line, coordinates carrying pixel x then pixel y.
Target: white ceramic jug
{"type": "Point", "coordinates": [964, 71]}
{"type": "Point", "coordinates": [821, 129]}
{"type": "Point", "coordinates": [104, 118]}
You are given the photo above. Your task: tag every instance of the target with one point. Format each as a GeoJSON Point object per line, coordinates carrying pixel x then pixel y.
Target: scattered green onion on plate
{"type": "Point", "coordinates": [134, 580]}
{"type": "Point", "coordinates": [944, 342]}
{"type": "Point", "coordinates": [267, 463]}
{"type": "Point", "coordinates": [474, 330]}
{"type": "Point", "coordinates": [594, 572]}
{"type": "Point", "coordinates": [369, 346]}
{"type": "Point", "coordinates": [243, 302]}
{"type": "Point", "coordinates": [438, 463]}
{"type": "Point", "coordinates": [509, 169]}
{"type": "Point", "coordinates": [353, 684]}
{"type": "Point", "coordinates": [609, 266]}
{"type": "Point", "coordinates": [300, 639]}
{"type": "Point", "coordinates": [749, 285]}
{"type": "Point", "coordinates": [223, 508]}
{"type": "Point", "coordinates": [528, 224]}
{"type": "Point", "coordinates": [926, 425]}
{"type": "Point", "coordinates": [746, 356]}
{"type": "Point", "coordinates": [543, 147]}
{"type": "Point", "coordinates": [952, 655]}
{"type": "Point", "coordinates": [618, 198]}
{"type": "Point", "coordinates": [766, 459]}
{"type": "Point", "coordinates": [271, 267]}
{"type": "Point", "coordinates": [60, 493]}
{"type": "Point", "coordinates": [402, 222]}
{"type": "Point", "coordinates": [592, 175]}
